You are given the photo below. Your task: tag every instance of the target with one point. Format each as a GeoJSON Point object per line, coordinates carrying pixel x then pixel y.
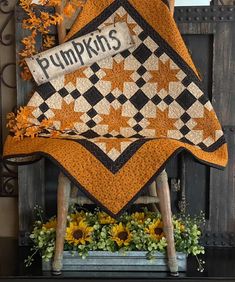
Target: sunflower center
{"type": "Point", "coordinates": [77, 234]}
{"type": "Point", "coordinates": [158, 231]}
{"type": "Point", "coordinates": [123, 235]}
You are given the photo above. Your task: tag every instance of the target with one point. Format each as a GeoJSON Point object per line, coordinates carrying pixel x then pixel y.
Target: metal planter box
{"type": "Point", "coordinates": [107, 261]}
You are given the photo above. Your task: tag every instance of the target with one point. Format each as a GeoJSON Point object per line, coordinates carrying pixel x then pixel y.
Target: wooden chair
{"type": "Point", "coordinates": [66, 194]}
{"type": "Point", "coordinates": [63, 200]}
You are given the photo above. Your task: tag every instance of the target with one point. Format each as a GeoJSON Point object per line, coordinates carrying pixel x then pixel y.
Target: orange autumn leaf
{"type": "Point", "coordinates": [26, 74]}
{"type": "Point", "coordinates": [48, 41]}
{"type": "Point", "coordinates": [44, 16]}
{"type": "Point", "coordinates": [22, 122]}
{"type": "Point", "coordinates": [46, 123]}
{"type": "Point", "coordinates": [22, 117]}
{"type": "Point", "coordinates": [11, 116]}
{"type": "Point", "coordinates": [25, 4]}
{"type": "Point", "coordinates": [25, 111]}
{"type": "Point", "coordinates": [19, 135]}
{"type": "Point", "coordinates": [54, 2]}
{"type": "Point", "coordinates": [11, 125]}
{"type": "Point", "coordinates": [56, 19]}
{"type": "Point", "coordinates": [31, 23]}
{"type": "Point", "coordinates": [29, 45]}
{"type": "Point", "coordinates": [29, 40]}
{"type": "Point", "coordinates": [55, 134]}
{"type": "Point", "coordinates": [32, 131]}
{"type": "Point", "coordinates": [11, 121]}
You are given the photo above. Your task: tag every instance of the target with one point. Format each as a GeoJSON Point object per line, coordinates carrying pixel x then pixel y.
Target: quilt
{"type": "Point", "coordinates": [112, 126]}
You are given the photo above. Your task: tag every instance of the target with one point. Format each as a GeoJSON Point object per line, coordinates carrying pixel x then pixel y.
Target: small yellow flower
{"type": "Point", "coordinates": [156, 230]}
{"type": "Point", "coordinates": [179, 226]}
{"type": "Point", "coordinates": [50, 224]}
{"type": "Point", "coordinates": [139, 217]}
{"type": "Point", "coordinates": [104, 218]}
{"type": "Point", "coordinates": [121, 235]}
{"type": "Point", "coordinates": [78, 234]}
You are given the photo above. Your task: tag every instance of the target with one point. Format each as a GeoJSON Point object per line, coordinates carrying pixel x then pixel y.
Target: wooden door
{"type": "Point", "coordinates": [209, 33]}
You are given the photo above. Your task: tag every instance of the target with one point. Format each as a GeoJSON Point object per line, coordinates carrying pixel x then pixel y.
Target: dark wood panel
{"type": "Point", "coordinates": [218, 74]}
{"type": "Point", "coordinates": [31, 180]}
{"type": "Point", "coordinates": [222, 193]}
{"type": "Point", "coordinates": [197, 184]}
{"type": "Point", "coordinates": [224, 72]}
{"type": "Point", "coordinates": [197, 28]}
{"type": "Point", "coordinates": [51, 176]}
{"type": "Point", "coordinates": [31, 193]}
{"type": "Point", "coordinates": [222, 183]}
{"type": "Point", "coordinates": [203, 57]}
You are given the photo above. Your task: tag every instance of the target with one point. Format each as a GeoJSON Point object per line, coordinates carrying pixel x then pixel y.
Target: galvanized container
{"type": "Point", "coordinates": [108, 261]}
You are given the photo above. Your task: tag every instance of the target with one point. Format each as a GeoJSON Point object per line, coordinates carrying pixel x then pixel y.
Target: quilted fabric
{"type": "Point", "coordinates": [121, 119]}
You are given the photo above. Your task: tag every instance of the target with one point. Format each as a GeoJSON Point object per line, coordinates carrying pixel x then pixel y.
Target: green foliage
{"type": "Point", "coordinates": [140, 231]}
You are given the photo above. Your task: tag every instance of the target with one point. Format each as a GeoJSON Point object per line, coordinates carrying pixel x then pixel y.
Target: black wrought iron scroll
{"type": "Point", "coordinates": [8, 174]}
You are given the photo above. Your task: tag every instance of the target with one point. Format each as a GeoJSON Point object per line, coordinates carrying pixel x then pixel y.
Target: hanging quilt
{"type": "Point", "coordinates": [113, 125]}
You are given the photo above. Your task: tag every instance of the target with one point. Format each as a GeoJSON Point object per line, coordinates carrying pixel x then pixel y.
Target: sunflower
{"type": "Point", "coordinates": [78, 234]}
{"type": "Point", "coordinates": [77, 216]}
{"type": "Point", "coordinates": [104, 218]}
{"type": "Point", "coordinates": [50, 224]}
{"type": "Point", "coordinates": [121, 235]}
{"type": "Point", "coordinates": [139, 217]}
{"type": "Point", "coordinates": [156, 230]}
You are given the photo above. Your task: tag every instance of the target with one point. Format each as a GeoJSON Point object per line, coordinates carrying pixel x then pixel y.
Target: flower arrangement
{"type": "Point", "coordinates": [96, 231]}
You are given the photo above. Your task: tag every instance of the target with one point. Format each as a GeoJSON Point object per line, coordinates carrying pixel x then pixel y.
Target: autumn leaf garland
{"type": "Point", "coordinates": [36, 23]}
{"type": "Point", "coordinates": [20, 125]}
{"type": "Point", "coordinates": [23, 124]}
{"type": "Point", "coordinates": [40, 22]}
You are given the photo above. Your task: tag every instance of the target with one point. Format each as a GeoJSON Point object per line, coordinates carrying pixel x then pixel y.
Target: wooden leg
{"type": "Point", "coordinates": [153, 192]}
{"type": "Point", "coordinates": [63, 195]}
{"type": "Point", "coordinates": [165, 207]}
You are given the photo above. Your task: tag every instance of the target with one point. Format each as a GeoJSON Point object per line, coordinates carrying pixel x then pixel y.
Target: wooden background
{"type": "Point", "coordinates": [211, 39]}
{"type": "Point", "coordinates": [209, 33]}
